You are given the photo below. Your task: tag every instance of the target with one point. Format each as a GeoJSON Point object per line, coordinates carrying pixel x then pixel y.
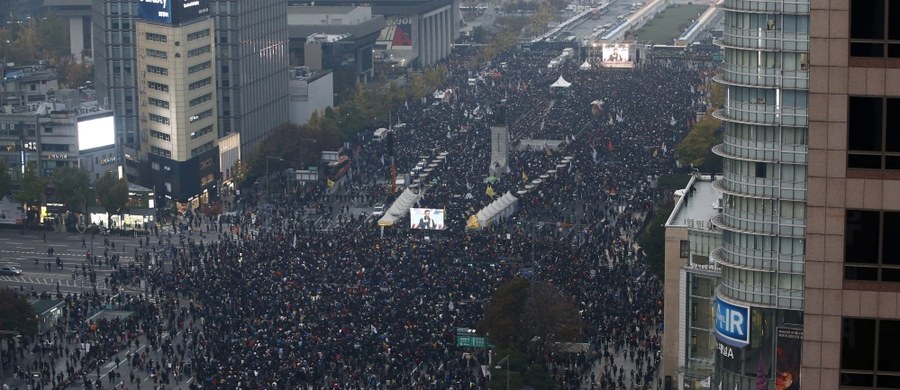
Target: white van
{"type": "Point", "coordinates": [380, 134]}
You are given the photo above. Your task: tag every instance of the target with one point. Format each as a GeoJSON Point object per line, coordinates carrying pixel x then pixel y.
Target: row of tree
{"type": "Point", "coordinates": [39, 38]}
{"type": "Point", "coordinates": [69, 186]}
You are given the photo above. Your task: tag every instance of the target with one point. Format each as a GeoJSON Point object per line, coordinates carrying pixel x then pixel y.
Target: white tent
{"type": "Point", "coordinates": [561, 83]}
{"type": "Point", "coordinates": [585, 66]}
{"type": "Point", "coordinates": [501, 208]}
{"type": "Point", "coordinates": [400, 208]}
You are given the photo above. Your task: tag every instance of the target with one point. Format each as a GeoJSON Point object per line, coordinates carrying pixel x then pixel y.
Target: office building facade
{"type": "Point", "coordinates": [252, 67]}
{"type": "Point", "coordinates": [852, 316]}
{"type": "Point", "coordinates": [760, 300]}
{"type": "Point", "coordinates": [177, 94]}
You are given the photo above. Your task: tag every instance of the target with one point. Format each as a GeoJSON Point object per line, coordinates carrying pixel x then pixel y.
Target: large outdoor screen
{"type": "Point", "coordinates": [428, 219]}
{"type": "Point", "coordinates": [172, 11]}
{"type": "Point", "coordinates": [617, 55]}
{"type": "Point", "coordinates": [96, 131]}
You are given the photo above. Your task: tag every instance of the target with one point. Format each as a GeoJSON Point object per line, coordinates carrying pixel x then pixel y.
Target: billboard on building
{"type": "Point", "coordinates": [617, 55]}
{"type": "Point", "coordinates": [732, 323]}
{"type": "Point", "coordinates": [96, 131]}
{"type": "Point", "coordinates": [428, 219]}
{"type": "Point", "coordinates": [397, 34]}
{"type": "Point", "coordinates": [172, 11]}
{"type": "Point", "coordinates": [787, 366]}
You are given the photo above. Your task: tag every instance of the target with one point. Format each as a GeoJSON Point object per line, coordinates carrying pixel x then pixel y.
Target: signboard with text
{"type": "Point", "coordinates": [172, 11]}
{"type": "Point", "coordinates": [732, 323]}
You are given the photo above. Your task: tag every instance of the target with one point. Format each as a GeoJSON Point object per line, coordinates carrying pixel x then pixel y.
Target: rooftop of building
{"type": "Point", "coordinates": [699, 202]}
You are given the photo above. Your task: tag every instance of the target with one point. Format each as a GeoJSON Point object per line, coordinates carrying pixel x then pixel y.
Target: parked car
{"type": "Point", "coordinates": [10, 270]}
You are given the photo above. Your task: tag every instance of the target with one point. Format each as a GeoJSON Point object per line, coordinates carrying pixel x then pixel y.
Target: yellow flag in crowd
{"type": "Point", "coordinates": [524, 176]}
{"type": "Point", "coordinates": [490, 191]}
{"type": "Point", "coordinates": [329, 182]}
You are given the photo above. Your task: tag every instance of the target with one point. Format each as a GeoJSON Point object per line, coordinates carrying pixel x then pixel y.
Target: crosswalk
{"type": "Point", "coordinates": [50, 280]}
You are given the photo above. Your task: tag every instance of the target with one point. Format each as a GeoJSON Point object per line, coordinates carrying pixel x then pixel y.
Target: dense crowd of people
{"type": "Point", "coordinates": [275, 302]}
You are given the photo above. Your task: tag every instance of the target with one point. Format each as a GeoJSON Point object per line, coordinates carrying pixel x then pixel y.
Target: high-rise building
{"type": "Point", "coordinates": [176, 79]}
{"type": "Point", "coordinates": [852, 311]}
{"type": "Point", "coordinates": [759, 302]}
{"type": "Point", "coordinates": [253, 67]}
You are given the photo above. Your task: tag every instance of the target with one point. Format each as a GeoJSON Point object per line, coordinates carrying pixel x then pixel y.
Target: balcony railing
{"type": "Point", "coordinates": [760, 294]}
{"type": "Point", "coordinates": [764, 39]}
{"type": "Point", "coordinates": [761, 187]}
{"type": "Point", "coordinates": [762, 151]}
{"type": "Point", "coordinates": [755, 76]}
{"type": "Point", "coordinates": [768, 7]}
{"type": "Point", "coordinates": [753, 223]}
{"type": "Point", "coordinates": [763, 114]}
{"type": "Point", "coordinates": [756, 259]}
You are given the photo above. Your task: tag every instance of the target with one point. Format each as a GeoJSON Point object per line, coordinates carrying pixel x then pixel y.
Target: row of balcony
{"type": "Point", "coordinates": [761, 187]}
{"type": "Point", "coordinates": [759, 113]}
{"type": "Point", "coordinates": [735, 148]}
{"type": "Point", "coordinates": [758, 260]}
{"type": "Point", "coordinates": [761, 295]}
{"type": "Point", "coordinates": [794, 7]}
{"type": "Point", "coordinates": [764, 39]}
{"type": "Point", "coordinates": [757, 76]}
{"type": "Point", "coordinates": [760, 224]}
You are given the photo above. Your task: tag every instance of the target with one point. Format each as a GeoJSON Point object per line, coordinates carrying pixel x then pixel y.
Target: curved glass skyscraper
{"type": "Point", "coordinates": [759, 301]}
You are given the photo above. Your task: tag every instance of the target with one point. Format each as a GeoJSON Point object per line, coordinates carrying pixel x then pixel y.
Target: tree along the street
{"type": "Point", "coordinates": [32, 188]}
{"type": "Point", "coordinates": [70, 187]}
{"type": "Point", "coordinates": [530, 316]}
{"type": "Point", "coordinates": [16, 314]}
{"type": "Point", "coordinates": [112, 194]}
{"type": "Point", "coordinates": [5, 180]}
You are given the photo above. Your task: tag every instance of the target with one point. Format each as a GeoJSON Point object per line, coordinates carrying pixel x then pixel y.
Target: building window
{"type": "Point", "coordinates": [684, 249]}
{"type": "Point", "coordinates": [157, 70]}
{"type": "Point", "coordinates": [200, 83]}
{"type": "Point", "coordinates": [871, 248]}
{"type": "Point", "coordinates": [875, 28]}
{"type": "Point", "coordinates": [157, 54]}
{"type": "Point", "coordinates": [158, 103]}
{"type": "Point", "coordinates": [155, 37]}
{"type": "Point", "coordinates": [198, 51]}
{"type": "Point", "coordinates": [200, 100]}
{"type": "Point", "coordinates": [199, 67]}
{"type": "Point", "coordinates": [160, 135]}
{"type": "Point", "coordinates": [159, 119]}
{"type": "Point", "coordinates": [867, 353]}
{"type": "Point", "coordinates": [197, 35]}
{"type": "Point", "coordinates": [158, 86]}
{"type": "Point", "coordinates": [160, 152]}
{"type": "Point", "coordinates": [201, 116]}
{"type": "Point", "coordinates": [201, 132]}
{"type": "Point", "coordinates": [871, 141]}
{"type": "Point", "coordinates": [202, 148]}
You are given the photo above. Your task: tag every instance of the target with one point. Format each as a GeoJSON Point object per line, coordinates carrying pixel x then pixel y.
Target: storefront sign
{"type": "Point", "coordinates": [732, 323]}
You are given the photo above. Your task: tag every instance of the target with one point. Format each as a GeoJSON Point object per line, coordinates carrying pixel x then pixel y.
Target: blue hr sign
{"type": "Point", "coordinates": [732, 323]}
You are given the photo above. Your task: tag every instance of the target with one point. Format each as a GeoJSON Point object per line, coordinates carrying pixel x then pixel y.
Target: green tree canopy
{"type": "Point", "coordinates": [16, 314]}
{"type": "Point", "coordinates": [530, 316]}
{"type": "Point", "coordinates": [5, 180]}
{"type": "Point", "coordinates": [653, 241]}
{"type": "Point", "coordinates": [71, 186]}
{"type": "Point", "coordinates": [32, 192]}
{"type": "Point", "coordinates": [112, 194]}
{"type": "Point", "coordinates": [695, 149]}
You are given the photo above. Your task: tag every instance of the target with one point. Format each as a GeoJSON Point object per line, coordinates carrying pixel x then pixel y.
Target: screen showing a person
{"type": "Point", "coordinates": [616, 55]}
{"type": "Point", "coordinates": [96, 131]}
{"type": "Point", "coordinates": [429, 219]}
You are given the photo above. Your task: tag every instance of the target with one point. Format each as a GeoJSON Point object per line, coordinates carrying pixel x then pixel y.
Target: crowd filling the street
{"type": "Point", "coordinates": [294, 288]}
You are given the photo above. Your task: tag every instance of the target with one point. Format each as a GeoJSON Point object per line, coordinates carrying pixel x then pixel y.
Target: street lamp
{"type": "Point", "coordinates": [267, 170]}
{"type": "Point", "coordinates": [506, 359]}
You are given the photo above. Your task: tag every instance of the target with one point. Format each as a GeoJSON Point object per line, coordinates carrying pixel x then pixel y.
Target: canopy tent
{"type": "Point", "coordinates": [585, 66]}
{"type": "Point", "coordinates": [501, 208]}
{"type": "Point", "coordinates": [561, 83]}
{"type": "Point", "coordinates": [400, 208]}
